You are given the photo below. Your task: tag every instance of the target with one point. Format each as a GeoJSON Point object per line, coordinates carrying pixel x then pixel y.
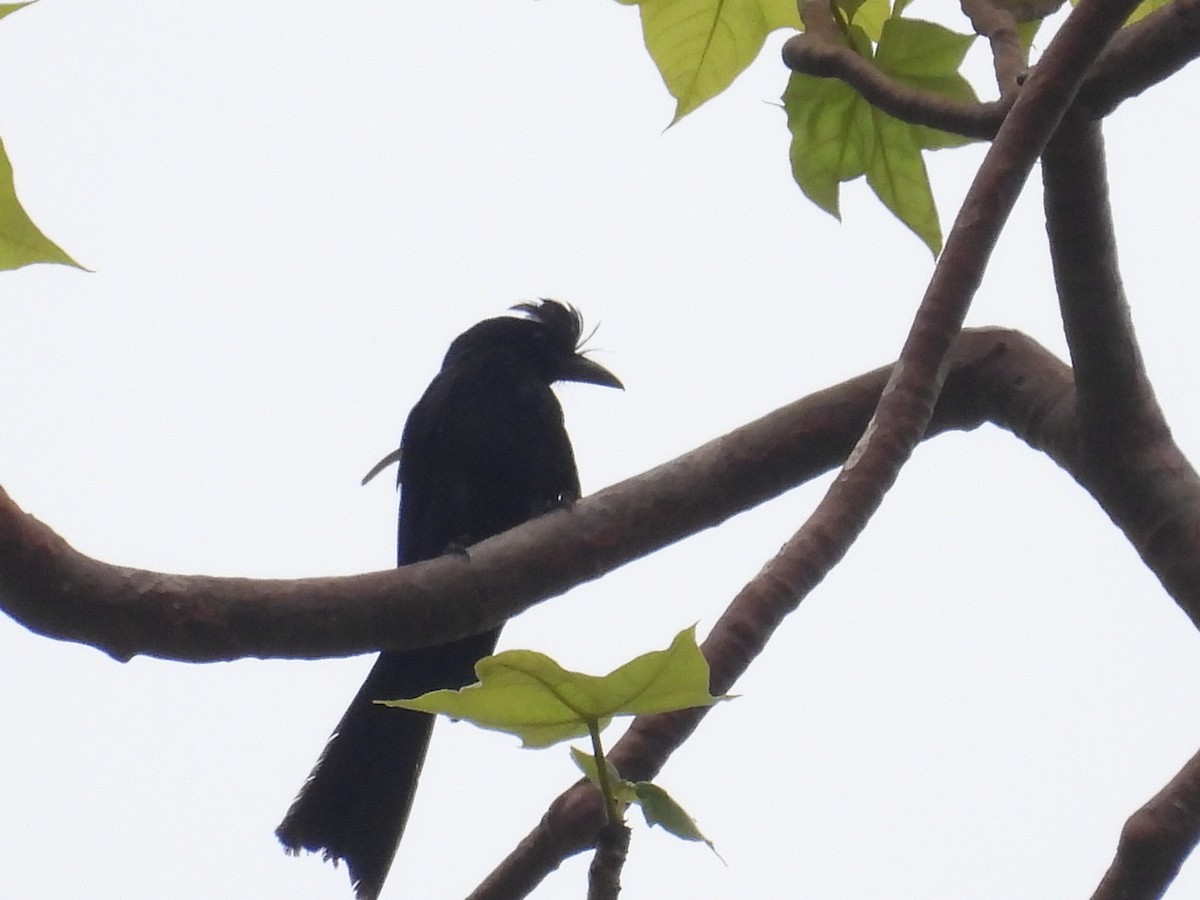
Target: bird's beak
{"type": "Point", "coordinates": [580, 368]}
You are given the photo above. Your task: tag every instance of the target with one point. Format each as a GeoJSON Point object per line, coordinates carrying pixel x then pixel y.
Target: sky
{"type": "Point", "coordinates": [288, 215]}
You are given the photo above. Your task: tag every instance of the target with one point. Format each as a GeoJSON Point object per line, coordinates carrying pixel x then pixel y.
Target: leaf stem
{"type": "Point", "coordinates": [606, 789]}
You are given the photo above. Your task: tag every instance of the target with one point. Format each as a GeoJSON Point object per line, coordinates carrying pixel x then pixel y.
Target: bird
{"type": "Point", "coordinates": [484, 450]}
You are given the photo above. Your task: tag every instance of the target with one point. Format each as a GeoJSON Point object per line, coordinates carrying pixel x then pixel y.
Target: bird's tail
{"type": "Point", "coordinates": [356, 802]}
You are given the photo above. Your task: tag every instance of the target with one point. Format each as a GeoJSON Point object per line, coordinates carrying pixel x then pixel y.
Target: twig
{"type": "Point", "coordinates": [814, 55]}
{"type": "Point", "coordinates": [999, 27]}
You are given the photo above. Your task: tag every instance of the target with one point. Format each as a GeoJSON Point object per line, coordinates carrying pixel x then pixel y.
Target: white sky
{"type": "Point", "coordinates": [292, 209]}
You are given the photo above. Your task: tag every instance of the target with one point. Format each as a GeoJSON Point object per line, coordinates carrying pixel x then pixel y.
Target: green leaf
{"type": "Point", "coordinates": [1144, 9]}
{"type": "Point", "coordinates": [624, 790]}
{"type": "Point", "coordinates": [1027, 31]}
{"type": "Point", "coordinates": [870, 16]}
{"type": "Point", "coordinates": [6, 8]}
{"type": "Point", "coordinates": [21, 243]}
{"type": "Point", "coordinates": [927, 56]}
{"type": "Point", "coordinates": [896, 172]}
{"type": "Point", "coordinates": [530, 695]}
{"type": "Point", "coordinates": [827, 146]}
{"type": "Point", "coordinates": [700, 46]}
{"type": "Point", "coordinates": [837, 136]}
{"type": "Point", "coordinates": [660, 809]}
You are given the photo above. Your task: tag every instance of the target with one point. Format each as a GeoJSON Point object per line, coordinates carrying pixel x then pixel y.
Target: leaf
{"type": "Point", "coordinates": [623, 790]}
{"type": "Point", "coordinates": [870, 17]}
{"type": "Point", "coordinates": [837, 136]}
{"type": "Point", "coordinates": [896, 172]}
{"type": "Point", "coordinates": [21, 243]}
{"type": "Point", "coordinates": [660, 808]}
{"type": "Point", "coordinates": [1027, 31]}
{"type": "Point", "coordinates": [530, 695]}
{"type": "Point", "coordinates": [701, 46]}
{"type": "Point", "coordinates": [657, 805]}
{"type": "Point", "coordinates": [827, 147]}
{"type": "Point", "coordinates": [927, 56]}
{"type": "Point", "coordinates": [1144, 9]}
{"type": "Point", "coordinates": [6, 8]}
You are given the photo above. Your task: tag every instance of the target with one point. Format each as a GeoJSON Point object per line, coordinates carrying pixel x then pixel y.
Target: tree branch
{"type": "Point", "coordinates": [902, 416]}
{"type": "Point", "coordinates": [994, 375]}
{"type": "Point", "coordinates": [1127, 455]}
{"type": "Point", "coordinates": [1156, 840]}
{"type": "Point", "coordinates": [1116, 402]}
{"type": "Point", "coordinates": [812, 54]}
{"type": "Point", "coordinates": [999, 27]}
{"type": "Point", "coordinates": [56, 591]}
{"type": "Point", "coordinates": [1142, 55]}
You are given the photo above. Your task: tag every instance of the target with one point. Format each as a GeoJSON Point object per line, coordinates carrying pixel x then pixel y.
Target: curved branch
{"type": "Point", "coordinates": [56, 591]}
{"type": "Point", "coordinates": [1116, 402]}
{"type": "Point", "coordinates": [999, 26]}
{"type": "Point", "coordinates": [1139, 475]}
{"type": "Point", "coordinates": [811, 54]}
{"type": "Point", "coordinates": [1137, 58]}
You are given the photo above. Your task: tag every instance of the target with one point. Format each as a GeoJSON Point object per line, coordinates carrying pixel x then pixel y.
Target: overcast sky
{"type": "Point", "coordinates": [290, 210]}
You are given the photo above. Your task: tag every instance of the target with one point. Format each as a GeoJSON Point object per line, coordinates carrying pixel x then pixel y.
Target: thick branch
{"type": "Point", "coordinates": [54, 590]}
{"type": "Point", "coordinates": [1141, 56]}
{"type": "Point", "coordinates": [1116, 402]}
{"type": "Point", "coordinates": [993, 375]}
{"type": "Point", "coordinates": [906, 404]}
{"type": "Point", "coordinates": [1156, 840]}
{"type": "Point", "coordinates": [1134, 467]}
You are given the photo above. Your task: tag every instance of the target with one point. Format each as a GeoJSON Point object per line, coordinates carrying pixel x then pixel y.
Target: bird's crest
{"type": "Point", "coordinates": [562, 320]}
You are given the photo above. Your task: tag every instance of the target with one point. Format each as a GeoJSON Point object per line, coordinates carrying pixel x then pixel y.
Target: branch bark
{"type": "Point", "coordinates": [1142, 55]}
{"type": "Point", "coordinates": [54, 590]}
{"type": "Point", "coordinates": [1156, 840]}
{"type": "Point", "coordinates": [899, 422]}
{"type": "Point", "coordinates": [1134, 467]}
{"type": "Point", "coordinates": [999, 376]}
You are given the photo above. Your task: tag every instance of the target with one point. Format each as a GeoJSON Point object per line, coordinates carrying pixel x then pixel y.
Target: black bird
{"type": "Point", "coordinates": [483, 451]}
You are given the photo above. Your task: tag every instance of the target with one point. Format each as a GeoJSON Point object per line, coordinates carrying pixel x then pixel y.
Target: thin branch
{"type": "Point", "coordinates": [1156, 840]}
{"type": "Point", "coordinates": [999, 27]}
{"type": "Point", "coordinates": [811, 54]}
{"type": "Point", "coordinates": [1137, 58]}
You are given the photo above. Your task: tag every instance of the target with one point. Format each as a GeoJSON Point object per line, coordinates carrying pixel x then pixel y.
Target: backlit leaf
{"type": "Point", "coordinates": [700, 46]}
{"type": "Point", "coordinates": [528, 694]}
{"type": "Point", "coordinates": [21, 243]}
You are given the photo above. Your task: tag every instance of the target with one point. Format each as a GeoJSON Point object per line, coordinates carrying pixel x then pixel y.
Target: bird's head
{"type": "Point", "coordinates": [546, 333]}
